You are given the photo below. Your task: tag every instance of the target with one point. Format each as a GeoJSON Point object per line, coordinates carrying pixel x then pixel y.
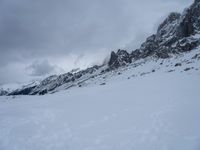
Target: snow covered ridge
{"type": "Point", "coordinates": [177, 34]}
{"type": "Point", "coordinates": [153, 105]}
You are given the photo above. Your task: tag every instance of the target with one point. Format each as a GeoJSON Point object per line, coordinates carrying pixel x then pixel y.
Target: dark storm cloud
{"type": "Point", "coordinates": [46, 29]}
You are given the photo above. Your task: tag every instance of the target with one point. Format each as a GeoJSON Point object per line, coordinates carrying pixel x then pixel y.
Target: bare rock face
{"type": "Point", "coordinates": [174, 35]}
{"type": "Point", "coordinates": [190, 21]}
{"type": "Point", "coordinates": [149, 46]}
{"type": "Point", "coordinates": [172, 18]}
{"type": "Point", "coordinates": [121, 58]}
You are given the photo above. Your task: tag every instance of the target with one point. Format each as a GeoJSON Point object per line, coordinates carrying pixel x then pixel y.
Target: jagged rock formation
{"type": "Point", "coordinates": [190, 23]}
{"type": "Point", "coordinates": [121, 58]}
{"type": "Point", "coordinates": [176, 34]}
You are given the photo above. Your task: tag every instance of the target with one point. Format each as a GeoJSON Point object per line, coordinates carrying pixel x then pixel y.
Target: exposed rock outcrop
{"type": "Point", "coordinates": [121, 58]}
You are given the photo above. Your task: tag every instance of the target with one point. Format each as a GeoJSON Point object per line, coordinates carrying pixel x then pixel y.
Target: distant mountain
{"type": "Point", "coordinates": [177, 34]}
{"type": "Point", "coordinates": [3, 92]}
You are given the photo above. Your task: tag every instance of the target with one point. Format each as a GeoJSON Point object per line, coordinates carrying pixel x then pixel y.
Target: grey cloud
{"type": "Point", "coordinates": [41, 68]}
{"type": "Point", "coordinates": [41, 29]}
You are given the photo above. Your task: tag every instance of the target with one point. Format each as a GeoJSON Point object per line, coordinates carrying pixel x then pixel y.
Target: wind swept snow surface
{"type": "Point", "coordinates": [159, 111]}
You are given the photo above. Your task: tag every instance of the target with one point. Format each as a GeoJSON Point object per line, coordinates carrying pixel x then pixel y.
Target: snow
{"type": "Point", "coordinates": [196, 36]}
{"type": "Point", "coordinates": [137, 109]}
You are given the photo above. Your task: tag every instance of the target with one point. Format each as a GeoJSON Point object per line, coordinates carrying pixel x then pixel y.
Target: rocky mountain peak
{"type": "Point", "coordinates": [174, 35]}
{"type": "Point", "coordinates": [120, 58]}
{"type": "Point", "coordinates": [190, 21]}
{"type": "Point", "coordinates": [174, 16]}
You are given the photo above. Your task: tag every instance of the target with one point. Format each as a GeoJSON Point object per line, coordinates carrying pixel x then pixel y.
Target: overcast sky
{"type": "Point", "coordinates": [41, 37]}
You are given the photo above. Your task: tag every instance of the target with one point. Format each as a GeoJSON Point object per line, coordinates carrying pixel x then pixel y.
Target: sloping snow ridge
{"type": "Point", "coordinates": [142, 108]}
{"type": "Point", "coordinates": [146, 99]}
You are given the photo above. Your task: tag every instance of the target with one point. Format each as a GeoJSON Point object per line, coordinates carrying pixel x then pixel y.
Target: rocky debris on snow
{"type": "Point", "coordinates": [103, 84]}
{"type": "Point", "coordinates": [197, 56]}
{"type": "Point", "coordinates": [187, 69]}
{"type": "Point", "coordinates": [177, 64]}
{"type": "Point", "coordinates": [144, 73]}
{"type": "Point", "coordinates": [171, 70]}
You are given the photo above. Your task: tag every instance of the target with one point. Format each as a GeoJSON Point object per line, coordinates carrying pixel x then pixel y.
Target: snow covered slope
{"type": "Point", "coordinates": [147, 99]}
{"type": "Point", "coordinates": [142, 108]}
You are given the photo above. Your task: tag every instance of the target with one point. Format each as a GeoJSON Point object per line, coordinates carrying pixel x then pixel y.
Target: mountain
{"type": "Point", "coordinates": [147, 99]}
{"type": "Point", "coordinates": [3, 92]}
{"type": "Point", "coordinates": [177, 34]}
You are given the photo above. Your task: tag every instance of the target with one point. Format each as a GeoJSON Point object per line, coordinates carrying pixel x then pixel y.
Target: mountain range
{"type": "Point", "coordinates": [177, 35]}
